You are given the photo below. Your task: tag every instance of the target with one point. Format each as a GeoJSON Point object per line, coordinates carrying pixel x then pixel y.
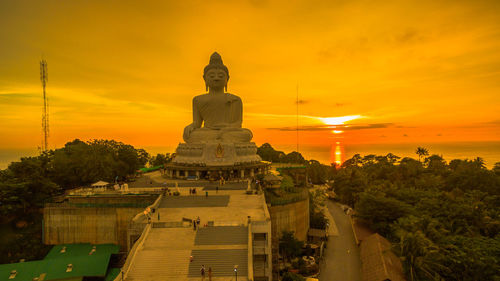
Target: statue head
{"type": "Point", "coordinates": [215, 73]}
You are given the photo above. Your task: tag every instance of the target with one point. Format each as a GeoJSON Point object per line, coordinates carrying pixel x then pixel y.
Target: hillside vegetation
{"type": "Point", "coordinates": [443, 218]}
{"type": "Point", "coordinates": [26, 185]}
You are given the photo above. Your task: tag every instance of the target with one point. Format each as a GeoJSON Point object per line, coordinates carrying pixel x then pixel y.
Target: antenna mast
{"type": "Point", "coordinates": [45, 116]}
{"type": "Point", "coordinates": [297, 102]}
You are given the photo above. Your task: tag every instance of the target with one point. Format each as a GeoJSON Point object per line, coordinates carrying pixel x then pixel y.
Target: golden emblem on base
{"type": "Point", "coordinates": [219, 152]}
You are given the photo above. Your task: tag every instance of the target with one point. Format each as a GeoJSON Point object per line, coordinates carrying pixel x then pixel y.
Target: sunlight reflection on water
{"type": "Point", "coordinates": [337, 154]}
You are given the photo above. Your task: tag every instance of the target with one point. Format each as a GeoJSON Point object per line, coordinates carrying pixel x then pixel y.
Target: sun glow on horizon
{"type": "Point", "coordinates": [339, 120]}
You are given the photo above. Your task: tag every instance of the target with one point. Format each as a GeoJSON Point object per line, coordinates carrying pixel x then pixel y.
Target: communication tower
{"type": "Point", "coordinates": [297, 103]}
{"type": "Point", "coordinates": [45, 116]}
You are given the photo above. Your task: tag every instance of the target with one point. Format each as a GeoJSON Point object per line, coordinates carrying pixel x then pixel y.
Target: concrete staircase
{"type": "Point", "coordinates": [222, 235]}
{"type": "Point", "coordinates": [164, 256]}
{"type": "Point", "coordinates": [222, 262]}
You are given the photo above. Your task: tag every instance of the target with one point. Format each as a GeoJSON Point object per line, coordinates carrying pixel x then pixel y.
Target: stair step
{"type": "Point", "coordinates": [222, 235]}
{"type": "Point", "coordinates": [221, 261]}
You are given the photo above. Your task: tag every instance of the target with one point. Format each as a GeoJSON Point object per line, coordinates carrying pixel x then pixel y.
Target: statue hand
{"type": "Point", "coordinates": [187, 131]}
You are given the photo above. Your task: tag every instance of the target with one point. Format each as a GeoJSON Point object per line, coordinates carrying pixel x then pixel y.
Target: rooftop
{"type": "Point", "coordinates": [379, 262]}
{"type": "Point", "coordinates": [64, 262]}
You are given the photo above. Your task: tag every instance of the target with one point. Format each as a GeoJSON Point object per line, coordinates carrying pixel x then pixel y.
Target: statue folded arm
{"type": "Point", "coordinates": [197, 122]}
{"type": "Point", "coordinates": [235, 118]}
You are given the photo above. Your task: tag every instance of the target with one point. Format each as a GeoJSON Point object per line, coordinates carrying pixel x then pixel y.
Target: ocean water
{"type": "Point", "coordinates": [488, 151]}
{"type": "Point", "coordinates": [9, 155]}
{"type": "Point", "coordinates": [338, 152]}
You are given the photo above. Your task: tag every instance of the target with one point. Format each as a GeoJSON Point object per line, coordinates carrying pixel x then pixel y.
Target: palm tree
{"type": "Point", "coordinates": [392, 158]}
{"type": "Point", "coordinates": [479, 162]}
{"type": "Point", "coordinates": [421, 152]}
{"type": "Point", "coordinates": [418, 255]}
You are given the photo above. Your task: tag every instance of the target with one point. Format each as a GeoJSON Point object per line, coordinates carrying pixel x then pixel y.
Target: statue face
{"type": "Point", "coordinates": [216, 78]}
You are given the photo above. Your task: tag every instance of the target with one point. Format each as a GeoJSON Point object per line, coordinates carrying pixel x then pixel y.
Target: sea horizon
{"type": "Point", "coordinates": [489, 151]}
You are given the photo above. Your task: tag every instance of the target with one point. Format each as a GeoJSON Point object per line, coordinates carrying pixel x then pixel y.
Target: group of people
{"type": "Point", "coordinates": [166, 191]}
{"type": "Point", "coordinates": [202, 270]}
{"type": "Point", "coordinates": [196, 223]}
{"type": "Point", "coordinates": [192, 191]}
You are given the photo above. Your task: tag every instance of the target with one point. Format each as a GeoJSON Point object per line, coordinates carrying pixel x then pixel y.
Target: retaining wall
{"type": "Point", "coordinates": [290, 217]}
{"type": "Point", "coordinates": [93, 220]}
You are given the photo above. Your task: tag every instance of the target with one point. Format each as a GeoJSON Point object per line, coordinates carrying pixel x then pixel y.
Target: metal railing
{"type": "Point", "coordinates": [250, 252]}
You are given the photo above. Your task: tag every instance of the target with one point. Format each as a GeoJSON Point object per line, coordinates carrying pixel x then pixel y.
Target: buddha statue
{"type": "Point", "coordinates": [217, 115]}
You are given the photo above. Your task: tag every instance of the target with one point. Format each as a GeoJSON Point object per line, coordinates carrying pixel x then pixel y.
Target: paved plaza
{"type": "Point", "coordinates": [166, 252]}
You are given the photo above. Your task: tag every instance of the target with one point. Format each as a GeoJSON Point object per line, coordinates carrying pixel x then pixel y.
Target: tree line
{"type": "Point", "coordinates": [442, 217]}
{"type": "Point", "coordinates": [26, 185]}
{"type": "Point", "coordinates": [318, 173]}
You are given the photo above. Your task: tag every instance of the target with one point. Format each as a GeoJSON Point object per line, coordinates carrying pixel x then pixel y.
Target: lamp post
{"type": "Point", "coordinates": [236, 271]}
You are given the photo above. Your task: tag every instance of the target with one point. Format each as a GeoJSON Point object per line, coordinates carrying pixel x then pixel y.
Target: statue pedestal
{"type": "Point", "coordinates": [213, 160]}
{"type": "Point", "coordinates": [211, 154]}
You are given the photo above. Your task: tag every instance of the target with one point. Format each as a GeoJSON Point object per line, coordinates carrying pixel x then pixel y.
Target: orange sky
{"type": "Point", "coordinates": [413, 71]}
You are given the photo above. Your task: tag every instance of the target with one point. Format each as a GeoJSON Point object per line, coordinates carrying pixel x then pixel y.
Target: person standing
{"type": "Point", "coordinates": [202, 270]}
{"type": "Point", "coordinates": [198, 221]}
{"type": "Point", "coordinates": [209, 274]}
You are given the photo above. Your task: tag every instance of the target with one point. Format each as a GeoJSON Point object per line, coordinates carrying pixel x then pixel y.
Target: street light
{"type": "Point", "coordinates": [236, 271]}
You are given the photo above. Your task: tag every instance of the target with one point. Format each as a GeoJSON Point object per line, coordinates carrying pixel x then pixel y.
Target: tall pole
{"type": "Point", "coordinates": [297, 102]}
{"type": "Point", "coordinates": [45, 116]}
{"type": "Point", "coordinates": [236, 272]}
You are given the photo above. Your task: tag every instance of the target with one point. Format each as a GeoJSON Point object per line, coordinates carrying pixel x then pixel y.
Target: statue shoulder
{"type": "Point", "coordinates": [233, 97]}
{"type": "Point", "coordinates": [200, 98]}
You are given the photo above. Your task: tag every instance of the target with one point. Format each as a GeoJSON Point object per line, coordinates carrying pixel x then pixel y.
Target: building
{"type": "Point", "coordinates": [66, 262]}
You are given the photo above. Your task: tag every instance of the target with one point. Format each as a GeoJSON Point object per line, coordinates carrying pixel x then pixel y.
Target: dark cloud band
{"type": "Point", "coordinates": [335, 127]}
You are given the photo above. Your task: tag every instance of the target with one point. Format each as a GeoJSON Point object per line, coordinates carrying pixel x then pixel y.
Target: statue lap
{"type": "Point", "coordinates": [233, 135]}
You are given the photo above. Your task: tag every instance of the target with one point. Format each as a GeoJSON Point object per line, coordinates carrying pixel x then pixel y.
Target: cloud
{"type": "Point", "coordinates": [20, 98]}
{"type": "Point", "coordinates": [336, 127]}
{"type": "Point", "coordinates": [408, 36]}
{"type": "Point", "coordinates": [488, 124]}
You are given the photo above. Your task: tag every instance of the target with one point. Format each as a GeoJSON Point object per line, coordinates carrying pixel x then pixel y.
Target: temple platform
{"type": "Point", "coordinates": [213, 160]}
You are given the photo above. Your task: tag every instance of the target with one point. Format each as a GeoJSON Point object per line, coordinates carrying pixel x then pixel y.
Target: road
{"type": "Point", "coordinates": [341, 261]}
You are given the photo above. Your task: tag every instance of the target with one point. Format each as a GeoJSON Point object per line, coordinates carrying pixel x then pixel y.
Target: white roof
{"type": "Point", "coordinates": [100, 183]}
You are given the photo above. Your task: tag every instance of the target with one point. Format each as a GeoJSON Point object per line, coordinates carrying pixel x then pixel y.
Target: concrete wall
{"type": "Point", "coordinates": [87, 225]}
{"type": "Point", "coordinates": [113, 199]}
{"type": "Point", "coordinates": [290, 217]}
{"type": "Point", "coordinates": [72, 223]}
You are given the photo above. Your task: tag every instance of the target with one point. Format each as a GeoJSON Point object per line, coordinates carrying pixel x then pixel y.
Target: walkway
{"type": "Point", "coordinates": [342, 261]}
{"type": "Point", "coordinates": [166, 251]}
{"type": "Point", "coordinates": [165, 255]}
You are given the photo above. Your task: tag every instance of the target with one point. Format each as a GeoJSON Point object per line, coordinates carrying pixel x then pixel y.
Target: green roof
{"type": "Point", "coordinates": [25, 270]}
{"type": "Point", "coordinates": [82, 266]}
{"type": "Point", "coordinates": [112, 273]}
{"type": "Point", "coordinates": [145, 170]}
{"type": "Point", "coordinates": [81, 250]}
{"type": "Point", "coordinates": [55, 263]}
